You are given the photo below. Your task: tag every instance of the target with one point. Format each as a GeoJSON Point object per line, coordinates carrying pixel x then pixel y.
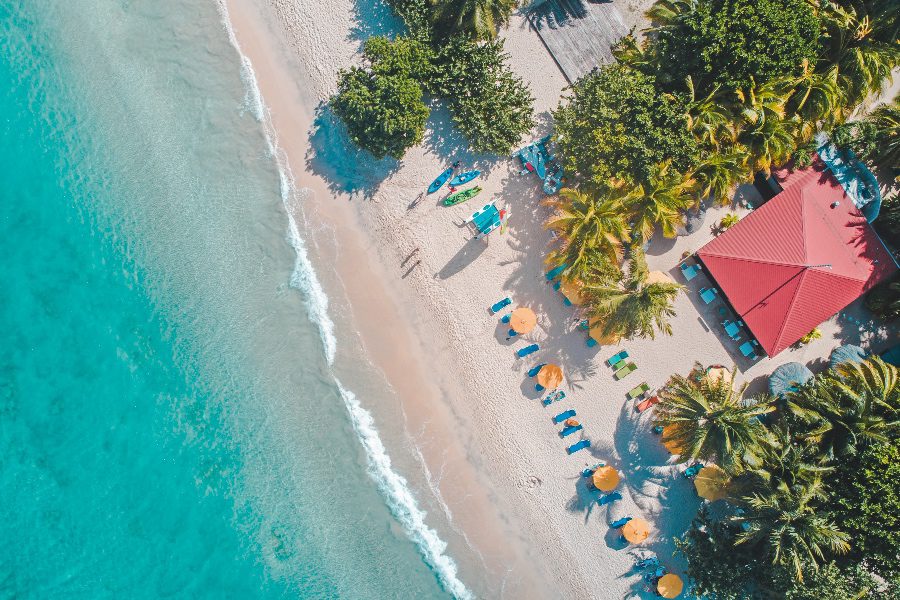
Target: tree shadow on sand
{"type": "Point", "coordinates": [374, 18]}
{"type": "Point", "coordinates": [555, 13]}
{"type": "Point", "coordinates": [346, 168]}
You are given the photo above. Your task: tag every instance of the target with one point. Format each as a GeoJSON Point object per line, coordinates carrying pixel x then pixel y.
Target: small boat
{"type": "Point", "coordinates": [464, 178]}
{"type": "Point", "coordinates": [440, 181]}
{"type": "Point", "coordinates": [461, 196]}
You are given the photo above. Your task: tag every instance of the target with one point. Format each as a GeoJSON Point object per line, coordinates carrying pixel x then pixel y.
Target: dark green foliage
{"type": "Point", "coordinates": [730, 42]}
{"type": "Point", "coordinates": [471, 19]}
{"type": "Point", "coordinates": [417, 16]}
{"type": "Point", "coordinates": [866, 501]}
{"type": "Point", "coordinates": [828, 582]}
{"type": "Point", "coordinates": [884, 299]}
{"type": "Point", "coordinates": [491, 106]}
{"type": "Point", "coordinates": [716, 567]}
{"type": "Point", "coordinates": [617, 125]}
{"type": "Point", "coordinates": [888, 222]}
{"type": "Point", "coordinates": [382, 105]}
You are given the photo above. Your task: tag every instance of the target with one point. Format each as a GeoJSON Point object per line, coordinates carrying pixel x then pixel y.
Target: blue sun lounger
{"type": "Point", "coordinates": [500, 305]}
{"type": "Point", "coordinates": [590, 470]}
{"type": "Point", "coordinates": [523, 352]}
{"type": "Point", "coordinates": [607, 498]}
{"type": "Point", "coordinates": [563, 416]}
{"type": "Point", "coordinates": [569, 430]}
{"type": "Point", "coordinates": [620, 523]}
{"type": "Point", "coordinates": [535, 369]}
{"type": "Point", "coordinates": [692, 470]}
{"type": "Point", "coordinates": [554, 397]}
{"type": "Point", "coordinates": [551, 275]}
{"type": "Point", "coordinates": [579, 446]}
{"type": "Point", "coordinates": [617, 358]}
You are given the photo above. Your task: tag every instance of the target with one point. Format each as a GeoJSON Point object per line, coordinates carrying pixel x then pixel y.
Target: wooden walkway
{"type": "Point", "coordinates": [579, 34]}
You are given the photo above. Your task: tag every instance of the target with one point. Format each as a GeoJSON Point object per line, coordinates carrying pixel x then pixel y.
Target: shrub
{"type": "Point", "coordinates": [382, 105]}
{"type": "Point", "coordinates": [617, 126]}
{"type": "Point", "coordinates": [884, 299]}
{"type": "Point", "coordinates": [729, 221]}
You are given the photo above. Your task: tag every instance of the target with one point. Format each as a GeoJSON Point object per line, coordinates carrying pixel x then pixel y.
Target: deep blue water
{"type": "Point", "coordinates": [169, 426]}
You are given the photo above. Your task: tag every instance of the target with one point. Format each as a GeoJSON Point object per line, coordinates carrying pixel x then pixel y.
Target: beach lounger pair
{"type": "Point", "coordinates": [624, 371]}
{"type": "Point", "coordinates": [638, 391]}
{"type": "Point", "coordinates": [644, 405]}
{"type": "Point", "coordinates": [617, 358]}
{"type": "Point", "coordinates": [578, 446]}
{"type": "Point", "coordinates": [500, 305]}
{"type": "Point", "coordinates": [523, 352]}
{"type": "Point", "coordinates": [563, 416]}
{"type": "Point", "coordinates": [554, 397]}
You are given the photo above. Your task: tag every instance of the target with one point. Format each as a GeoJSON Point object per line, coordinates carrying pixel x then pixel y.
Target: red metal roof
{"type": "Point", "coordinates": [771, 265]}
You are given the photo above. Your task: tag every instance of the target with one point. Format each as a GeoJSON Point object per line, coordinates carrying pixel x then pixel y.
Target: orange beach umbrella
{"type": "Point", "coordinates": [605, 479]}
{"type": "Point", "coordinates": [522, 320]}
{"type": "Point", "coordinates": [571, 289]}
{"type": "Point", "coordinates": [636, 531]}
{"type": "Point", "coordinates": [596, 334]}
{"type": "Point", "coordinates": [550, 376]}
{"type": "Point", "coordinates": [669, 585]}
{"type": "Point", "coordinates": [667, 441]}
{"type": "Point", "coordinates": [711, 483]}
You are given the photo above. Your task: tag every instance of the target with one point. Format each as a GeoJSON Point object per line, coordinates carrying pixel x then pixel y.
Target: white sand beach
{"type": "Point", "coordinates": [419, 292]}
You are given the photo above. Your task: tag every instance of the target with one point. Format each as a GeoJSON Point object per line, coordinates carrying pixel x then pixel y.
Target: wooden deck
{"type": "Point", "coordinates": [579, 34]}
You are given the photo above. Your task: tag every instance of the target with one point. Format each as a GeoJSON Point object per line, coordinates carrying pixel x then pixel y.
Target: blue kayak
{"type": "Point", "coordinates": [440, 181]}
{"type": "Point", "coordinates": [464, 178]}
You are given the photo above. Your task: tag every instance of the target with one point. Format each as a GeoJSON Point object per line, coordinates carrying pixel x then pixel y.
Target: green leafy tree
{"type": "Point", "coordinates": [475, 19]}
{"type": "Point", "coordinates": [728, 42]}
{"type": "Point", "coordinates": [382, 105]}
{"type": "Point", "coordinates": [785, 527]}
{"type": "Point", "coordinates": [709, 117]}
{"type": "Point", "coordinates": [885, 120]}
{"type": "Point", "coordinates": [784, 464]}
{"type": "Point", "coordinates": [829, 581]}
{"type": "Point", "coordinates": [634, 307]}
{"type": "Point", "coordinates": [846, 409]}
{"type": "Point", "coordinates": [660, 201]}
{"type": "Point", "coordinates": [708, 420]}
{"type": "Point", "coordinates": [588, 227]}
{"type": "Point", "coordinates": [865, 500]}
{"type": "Point", "coordinates": [884, 299]}
{"type": "Point", "coordinates": [616, 126]}
{"type": "Point", "coordinates": [491, 106]}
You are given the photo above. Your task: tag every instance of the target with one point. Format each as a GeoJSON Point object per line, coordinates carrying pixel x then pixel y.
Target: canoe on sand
{"type": "Point", "coordinates": [440, 181]}
{"type": "Point", "coordinates": [461, 196]}
{"type": "Point", "coordinates": [464, 178]}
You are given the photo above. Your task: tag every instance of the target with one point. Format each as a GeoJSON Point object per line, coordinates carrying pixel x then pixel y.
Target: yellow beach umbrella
{"type": "Point", "coordinates": [596, 333]}
{"type": "Point", "coordinates": [718, 373]}
{"type": "Point", "coordinates": [667, 441]}
{"type": "Point", "coordinates": [669, 585]}
{"type": "Point", "coordinates": [605, 479]}
{"type": "Point", "coordinates": [522, 320]}
{"type": "Point", "coordinates": [636, 531]}
{"type": "Point", "coordinates": [571, 289]}
{"type": "Point", "coordinates": [550, 376]}
{"type": "Point", "coordinates": [712, 483]}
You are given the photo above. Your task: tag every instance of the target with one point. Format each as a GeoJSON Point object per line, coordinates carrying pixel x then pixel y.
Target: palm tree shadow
{"type": "Point", "coordinates": [555, 13]}
{"type": "Point", "coordinates": [374, 18]}
{"type": "Point", "coordinates": [345, 167]}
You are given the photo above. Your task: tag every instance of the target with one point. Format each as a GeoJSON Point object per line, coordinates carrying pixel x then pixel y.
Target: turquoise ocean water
{"type": "Point", "coordinates": [169, 423]}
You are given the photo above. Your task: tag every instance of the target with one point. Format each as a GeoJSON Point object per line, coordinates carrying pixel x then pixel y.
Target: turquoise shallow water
{"type": "Point", "coordinates": [169, 424]}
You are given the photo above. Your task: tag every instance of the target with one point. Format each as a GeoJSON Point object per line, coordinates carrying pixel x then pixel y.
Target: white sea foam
{"type": "Point", "coordinates": [393, 486]}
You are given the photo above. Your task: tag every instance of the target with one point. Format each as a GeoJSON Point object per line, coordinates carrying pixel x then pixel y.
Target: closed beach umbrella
{"type": "Point", "coordinates": [667, 441]}
{"type": "Point", "coordinates": [550, 376]}
{"type": "Point", "coordinates": [522, 320]}
{"type": "Point", "coordinates": [846, 353]}
{"type": "Point", "coordinates": [712, 483]}
{"type": "Point", "coordinates": [788, 377]}
{"type": "Point", "coordinates": [669, 585]}
{"type": "Point", "coordinates": [636, 531]}
{"type": "Point", "coordinates": [571, 290]}
{"type": "Point", "coordinates": [716, 373]}
{"type": "Point", "coordinates": [605, 479]}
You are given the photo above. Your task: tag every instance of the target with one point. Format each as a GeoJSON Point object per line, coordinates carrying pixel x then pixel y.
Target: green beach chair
{"type": "Point", "coordinates": [624, 371]}
{"type": "Point", "coordinates": [638, 391]}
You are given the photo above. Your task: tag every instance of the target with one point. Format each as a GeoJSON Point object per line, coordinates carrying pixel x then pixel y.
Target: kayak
{"type": "Point", "coordinates": [464, 178]}
{"type": "Point", "coordinates": [440, 181]}
{"type": "Point", "coordinates": [462, 196]}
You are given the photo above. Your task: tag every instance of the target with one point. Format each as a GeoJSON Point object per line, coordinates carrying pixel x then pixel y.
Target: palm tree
{"type": "Point", "coordinates": [886, 122]}
{"type": "Point", "coordinates": [661, 201]}
{"type": "Point", "coordinates": [771, 142]}
{"type": "Point", "coordinates": [708, 118]}
{"type": "Point", "coordinates": [666, 13]}
{"type": "Point", "coordinates": [635, 306]}
{"type": "Point", "coordinates": [759, 103]}
{"type": "Point", "coordinates": [707, 419]}
{"type": "Point", "coordinates": [475, 19]}
{"type": "Point", "coordinates": [586, 226]}
{"type": "Point", "coordinates": [785, 465]}
{"type": "Point", "coordinates": [786, 527]}
{"type": "Point", "coordinates": [818, 100]}
{"type": "Point", "coordinates": [861, 44]}
{"type": "Point", "coordinates": [719, 173]}
{"type": "Point", "coordinates": [857, 404]}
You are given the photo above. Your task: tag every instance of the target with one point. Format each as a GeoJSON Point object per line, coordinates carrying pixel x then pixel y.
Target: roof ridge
{"type": "Point", "coordinates": [748, 259]}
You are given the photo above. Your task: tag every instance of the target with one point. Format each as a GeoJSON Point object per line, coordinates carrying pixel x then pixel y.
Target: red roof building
{"type": "Point", "coordinates": [797, 260]}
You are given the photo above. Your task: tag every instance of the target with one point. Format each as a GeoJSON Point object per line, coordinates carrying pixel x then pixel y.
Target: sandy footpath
{"type": "Point", "coordinates": [419, 292]}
